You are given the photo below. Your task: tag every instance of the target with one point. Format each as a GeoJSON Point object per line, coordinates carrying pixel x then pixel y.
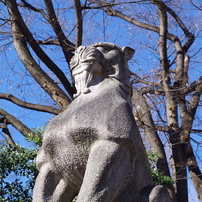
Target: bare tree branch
{"type": "Point", "coordinates": [31, 7]}
{"type": "Point", "coordinates": [111, 4]}
{"type": "Point", "coordinates": [195, 98]}
{"type": "Point", "coordinates": [153, 91]}
{"type": "Point", "coordinates": [66, 45]}
{"type": "Point", "coordinates": [7, 135]}
{"type": "Point", "coordinates": [199, 8]}
{"type": "Point", "coordinates": [171, 106]}
{"type": "Point", "coordinates": [3, 120]}
{"type": "Point", "coordinates": [48, 42]}
{"type": "Point", "coordinates": [79, 24]}
{"type": "Point", "coordinates": [16, 123]}
{"type": "Point", "coordinates": [161, 128]}
{"type": "Point", "coordinates": [42, 108]}
{"type": "Point", "coordinates": [111, 12]}
{"type": "Point", "coordinates": [181, 24]}
{"type": "Point", "coordinates": [170, 103]}
{"type": "Point", "coordinates": [138, 79]}
{"type": "Point", "coordinates": [196, 131]}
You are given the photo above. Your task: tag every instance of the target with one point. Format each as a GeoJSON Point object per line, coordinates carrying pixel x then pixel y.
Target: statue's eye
{"type": "Point", "coordinates": [106, 50]}
{"type": "Point", "coordinates": [103, 49]}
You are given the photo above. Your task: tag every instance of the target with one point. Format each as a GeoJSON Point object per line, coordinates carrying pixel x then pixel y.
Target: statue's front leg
{"type": "Point", "coordinates": [50, 187]}
{"type": "Point", "coordinates": [107, 170]}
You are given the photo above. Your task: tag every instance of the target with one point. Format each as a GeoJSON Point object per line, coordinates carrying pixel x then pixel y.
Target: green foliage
{"type": "Point", "coordinates": [18, 170]}
{"type": "Point", "coordinates": [74, 200]}
{"type": "Point", "coordinates": [36, 139]}
{"type": "Point", "coordinates": [158, 178]}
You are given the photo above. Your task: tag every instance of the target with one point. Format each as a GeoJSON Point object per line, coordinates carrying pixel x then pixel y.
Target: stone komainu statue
{"type": "Point", "coordinates": [93, 149]}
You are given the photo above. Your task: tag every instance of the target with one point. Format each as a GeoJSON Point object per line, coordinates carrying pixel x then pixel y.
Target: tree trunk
{"type": "Point", "coordinates": [145, 120]}
{"type": "Point", "coordinates": [194, 171]}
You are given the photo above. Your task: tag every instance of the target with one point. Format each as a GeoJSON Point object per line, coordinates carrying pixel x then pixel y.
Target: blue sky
{"type": "Point", "coordinates": [16, 80]}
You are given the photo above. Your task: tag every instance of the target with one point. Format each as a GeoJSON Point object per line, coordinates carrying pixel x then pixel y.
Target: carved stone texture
{"type": "Point", "coordinates": [93, 149]}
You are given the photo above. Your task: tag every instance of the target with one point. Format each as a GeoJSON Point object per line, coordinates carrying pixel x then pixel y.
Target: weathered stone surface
{"type": "Point", "coordinates": [154, 193]}
{"type": "Point", "coordinates": [94, 149]}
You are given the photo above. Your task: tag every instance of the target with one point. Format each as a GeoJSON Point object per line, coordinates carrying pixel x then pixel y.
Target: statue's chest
{"type": "Point", "coordinates": [90, 116]}
{"type": "Point", "coordinates": [105, 117]}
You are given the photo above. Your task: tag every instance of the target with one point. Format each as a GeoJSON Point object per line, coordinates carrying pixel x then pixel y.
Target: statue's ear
{"type": "Point", "coordinates": [129, 52]}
